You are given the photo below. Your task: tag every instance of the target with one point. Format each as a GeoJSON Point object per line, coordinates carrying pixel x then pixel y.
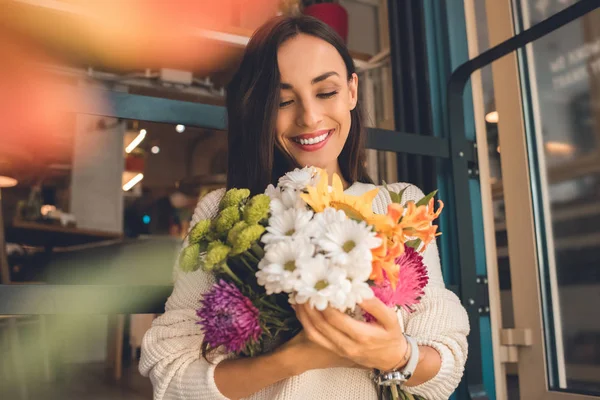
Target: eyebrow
{"type": "Point", "coordinates": [316, 80]}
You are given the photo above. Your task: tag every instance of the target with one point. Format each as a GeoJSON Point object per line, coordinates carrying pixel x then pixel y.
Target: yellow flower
{"type": "Point", "coordinates": [356, 207]}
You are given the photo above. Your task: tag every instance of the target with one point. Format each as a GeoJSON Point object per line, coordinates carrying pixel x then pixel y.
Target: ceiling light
{"type": "Point", "coordinates": [180, 128]}
{"type": "Point", "coordinates": [7, 181]}
{"type": "Point", "coordinates": [492, 117]}
{"type": "Point", "coordinates": [560, 148]}
{"type": "Point", "coordinates": [155, 149]}
{"type": "Point", "coordinates": [135, 142]}
{"type": "Point", "coordinates": [134, 181]}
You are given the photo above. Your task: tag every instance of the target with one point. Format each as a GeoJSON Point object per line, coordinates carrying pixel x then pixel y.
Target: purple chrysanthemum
{"type": "Point", "coordinates": [228, 318]}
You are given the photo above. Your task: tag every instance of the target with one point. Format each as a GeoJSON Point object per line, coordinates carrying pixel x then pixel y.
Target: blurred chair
{"type": "Point", "coordinates": [139, 324]}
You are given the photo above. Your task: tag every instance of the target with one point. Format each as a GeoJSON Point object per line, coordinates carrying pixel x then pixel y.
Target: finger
{"type": "Point", "coordinates": [312, 333]}
{"type": "Point", "coordinates": [356, 330]}
{"type": "Point", "coordinates": [385, 315]}
{"type": "Point", "coordinates": [342, 341]}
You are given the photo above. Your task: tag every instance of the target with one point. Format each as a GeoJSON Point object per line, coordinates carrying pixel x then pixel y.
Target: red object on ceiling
{"type": "Point", "coordinates": [333, 15]}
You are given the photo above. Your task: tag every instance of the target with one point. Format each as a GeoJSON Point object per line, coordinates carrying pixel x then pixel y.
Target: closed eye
{"type": "Point", "coordinates": [327, 95]}
{"type": "Point", "coordinates": [285, 103]}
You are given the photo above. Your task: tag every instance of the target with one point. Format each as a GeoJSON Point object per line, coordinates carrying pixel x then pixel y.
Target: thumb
{"type": "Point", "coordinates": [385, 315]}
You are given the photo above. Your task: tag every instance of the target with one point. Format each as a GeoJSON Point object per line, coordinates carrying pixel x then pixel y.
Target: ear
{"type": "Point", "coordinates": [353, 87]}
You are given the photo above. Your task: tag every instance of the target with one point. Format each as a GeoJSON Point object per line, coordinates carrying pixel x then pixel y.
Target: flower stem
{"type": "Point", "coordinates": [233, 276]}
{"type": "Point", "coordinates": [251, 256]}
{"type": "Point", "coordinates": [273, 306]}
{"type": "Point", "coordinates": [259, 252]}
{"type": "Point", "coordinates": [395, 394]}
{"type": "Point", "coordinates": [252, 270]}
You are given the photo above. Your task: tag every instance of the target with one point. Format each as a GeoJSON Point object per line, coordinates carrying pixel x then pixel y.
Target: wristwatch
{"type": "Point", "coordinates": [398, 377]}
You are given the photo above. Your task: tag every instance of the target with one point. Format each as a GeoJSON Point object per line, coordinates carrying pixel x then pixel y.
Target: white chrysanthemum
{"type": "Point", "coordinates": [348, 241]}
{"type": "Point", "coordinates": [282, 199]}
{"type": "Point", "coordinates": [328, 217]}
{"type": "Point", "coordinates": [291, 199]}
{"type": "Point", "coordinates": [359, 292]}
{"type": "Point", "coordinates": [359, 269]}
{"type": "Point", "coordinates": [299, 179]}
{"type": "Point", "coordinates": [277, 270]}
{"type": "Point", "coordinates": [293, 222]}
{"type": "Point", "coordinates": [273, 192]}
{"type": "Point", "coordinates": [321, 284]}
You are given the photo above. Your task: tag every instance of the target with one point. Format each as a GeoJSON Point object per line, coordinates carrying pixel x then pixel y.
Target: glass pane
{"type": "Point", "coordinates": [561, 94]}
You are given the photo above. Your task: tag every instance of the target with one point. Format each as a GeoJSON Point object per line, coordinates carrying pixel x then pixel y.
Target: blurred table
{"type": "Point", "coordinates": [49, 235]}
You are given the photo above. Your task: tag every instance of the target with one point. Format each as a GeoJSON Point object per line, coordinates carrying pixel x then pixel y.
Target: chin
{"type": "Point", "coordinates": [312, 162]}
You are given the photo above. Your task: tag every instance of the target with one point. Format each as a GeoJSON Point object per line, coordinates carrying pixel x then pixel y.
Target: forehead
{"type": "Point", "coordinates": [304, 57]}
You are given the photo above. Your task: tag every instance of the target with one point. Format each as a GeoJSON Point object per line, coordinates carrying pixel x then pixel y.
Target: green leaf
{"type": "Point", "coordinates": [396, 197]}
{"type": "Point", "coordinates": [425, 200]}
{"type": "Point", "coordinates": [414, 243]}
{"type": "Point", "coordinates": [401, 195]}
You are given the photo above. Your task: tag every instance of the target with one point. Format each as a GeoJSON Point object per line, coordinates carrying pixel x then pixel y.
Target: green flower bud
{"type": "Point", "coordinates": [246, 238]}
{"type": "Point", "coordinates": [189, 258]}
{"type": "Point", "coordinates": [233, 197]}
{"type": "Point", "coordinates": [216, 254]}
{"type": "Point", "coordinates": [235, 231]}
{"type": "Point", "coordinates": [257, 209]}
{"type": "Point", "coordinates": [226, 219]}
{"type": "Point", "coordinates": [199, 231]}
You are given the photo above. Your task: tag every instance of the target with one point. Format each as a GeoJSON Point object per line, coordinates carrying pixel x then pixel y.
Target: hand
{"type": "Point", "coordinates": [378, 345]}
{"type": "Point", "coordinates": [307, 355]}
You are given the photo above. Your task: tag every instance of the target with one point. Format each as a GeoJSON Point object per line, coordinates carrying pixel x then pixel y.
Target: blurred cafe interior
{"type": "Point", "coordinates": [112, 127]}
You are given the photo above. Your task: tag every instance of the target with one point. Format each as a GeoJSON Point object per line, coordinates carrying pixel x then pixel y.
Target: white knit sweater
{"type": "Point", "coordinates": [171, 348]}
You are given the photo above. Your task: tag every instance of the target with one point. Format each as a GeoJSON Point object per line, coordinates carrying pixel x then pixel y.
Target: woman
{"type": "Point", "coordinates": [293, 102]}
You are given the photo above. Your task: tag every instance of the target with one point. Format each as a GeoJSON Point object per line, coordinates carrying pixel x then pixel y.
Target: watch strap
{"type": "Point", "coordinates": [411, 365]}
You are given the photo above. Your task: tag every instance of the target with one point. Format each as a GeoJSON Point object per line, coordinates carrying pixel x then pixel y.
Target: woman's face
{"type": "Point", "coordinates": [316, 99]}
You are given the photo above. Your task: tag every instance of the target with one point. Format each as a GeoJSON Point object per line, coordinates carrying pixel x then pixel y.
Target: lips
{"type": "Point", "coordinates": [312, 141]}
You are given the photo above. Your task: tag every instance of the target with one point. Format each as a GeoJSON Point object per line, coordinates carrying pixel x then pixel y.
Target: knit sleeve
{"type": "Point", "coordinates": [438, 321]}
{"type": "Point", "coordinates": [171, 354]}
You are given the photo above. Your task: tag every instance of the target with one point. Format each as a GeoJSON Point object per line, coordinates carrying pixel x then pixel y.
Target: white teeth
{"type": "Point", "coordinates": [315, 140]}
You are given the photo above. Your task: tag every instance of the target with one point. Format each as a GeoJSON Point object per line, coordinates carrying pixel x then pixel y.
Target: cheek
{"type": "Point", "coordinates": [343, 118]}
{"type": "Point", "coordinates": [281, 126]}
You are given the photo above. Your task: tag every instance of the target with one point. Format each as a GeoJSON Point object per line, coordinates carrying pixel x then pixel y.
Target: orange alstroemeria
{"type": "Point", "coordinates": [417, 222]}
{"type": "Point", "coordinates": [384, 259]}
{"type": "Point", "coordinates": [402, 224]}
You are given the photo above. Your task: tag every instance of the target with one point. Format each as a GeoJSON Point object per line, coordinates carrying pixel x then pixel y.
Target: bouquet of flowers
{"type": "Point", "coordinates": [304, 241]}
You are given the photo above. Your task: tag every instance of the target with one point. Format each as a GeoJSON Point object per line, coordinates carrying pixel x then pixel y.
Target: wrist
{"type": "Point", "coordinates": [287, 359]}
{"type": "Point", "coordinates": [400, 357]}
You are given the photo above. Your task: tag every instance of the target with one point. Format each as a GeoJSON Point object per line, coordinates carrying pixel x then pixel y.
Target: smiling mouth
{"type": "Point", "coordinates": [312, 139]}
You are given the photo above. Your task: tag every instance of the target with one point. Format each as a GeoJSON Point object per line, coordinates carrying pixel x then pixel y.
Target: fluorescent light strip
{"type": "Point", "coordinates": [224, 37]}
{"type": "Point", "coordinates": [135, 142]}
{"type": "Point", "coordinates": [134, 181]}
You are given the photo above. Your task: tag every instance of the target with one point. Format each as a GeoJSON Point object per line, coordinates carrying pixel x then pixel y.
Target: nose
{"type": "Point", "coordinates": [309, 115]}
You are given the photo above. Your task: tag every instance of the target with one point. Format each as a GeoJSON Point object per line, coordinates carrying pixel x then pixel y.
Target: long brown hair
{"type": "Point", "coordinates": [254, 159]}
